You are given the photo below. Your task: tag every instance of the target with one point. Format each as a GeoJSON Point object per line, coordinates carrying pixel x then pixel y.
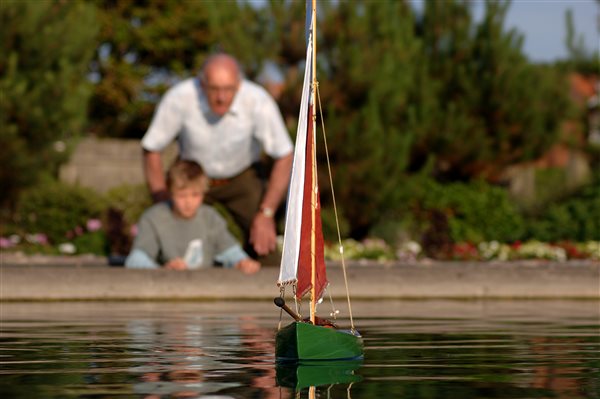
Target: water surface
{"type": "Point", "coordinates": [413, 349]}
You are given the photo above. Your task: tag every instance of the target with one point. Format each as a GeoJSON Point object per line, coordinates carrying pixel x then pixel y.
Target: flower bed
{"type": "Point", "coordinates": [484, 251]}
{"type": "Point", "coordinates": [92, 239]}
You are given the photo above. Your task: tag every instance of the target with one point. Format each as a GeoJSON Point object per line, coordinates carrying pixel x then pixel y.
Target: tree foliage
{"type": "Point", "coordinates": [401, 92]}
{"type": "Point", "coordinates": [580, 57]}
{"type": "Point", "coordinates": [491, 106]}
{"type": "Point", "coordinates": [370, 63]}
{"type": "Point", "coordinates": [47, 46]}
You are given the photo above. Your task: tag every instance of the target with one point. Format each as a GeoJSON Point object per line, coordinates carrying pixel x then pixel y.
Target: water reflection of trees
{"type": "Point", "coordinates": [169, 350]}
{"type": "Point", "coordinates": [479, 364]}
{"type": "Point", "coordinates": [560, 366]}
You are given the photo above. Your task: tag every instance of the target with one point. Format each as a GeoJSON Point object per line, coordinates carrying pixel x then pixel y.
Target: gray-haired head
{"type": "Point", "coordinates": [221, 60]}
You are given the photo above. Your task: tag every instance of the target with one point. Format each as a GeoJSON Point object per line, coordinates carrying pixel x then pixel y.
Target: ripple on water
{"type": "Point", "coordinates": [414, 349]}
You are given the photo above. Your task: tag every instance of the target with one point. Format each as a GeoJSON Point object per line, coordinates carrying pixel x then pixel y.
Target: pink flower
{"type": "Point", "coordinates": [42, 239]}
{"type": "Point", "coordinates": [37, 238]}
{"type": "Point", "coordinates": [93, 225]}
{"type": "Point", "coordinates": [5, 242]}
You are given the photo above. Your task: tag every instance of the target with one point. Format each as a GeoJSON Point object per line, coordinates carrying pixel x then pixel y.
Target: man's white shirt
{"type": "Point", "coordinates": [224, 146]}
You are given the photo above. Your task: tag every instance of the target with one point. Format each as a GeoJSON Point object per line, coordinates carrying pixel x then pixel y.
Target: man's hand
{"type": "Point", "coordinates": [248, 266]}
{"type": "Point", "coordinates": [263, 235]}
{"type": "Point", "coordinates": [176, 264]}
{"type": "Point", "coordinates": [155, 177]}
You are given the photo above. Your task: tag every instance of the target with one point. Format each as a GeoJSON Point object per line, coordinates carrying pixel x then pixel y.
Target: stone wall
{"type": "Point", "coordinates": [106, 163]}
{"type": "Point", "coordinates": [521, 179]}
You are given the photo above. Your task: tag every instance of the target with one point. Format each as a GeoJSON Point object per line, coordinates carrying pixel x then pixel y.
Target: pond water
{"type": "Point", "coordinates": [413, 349]}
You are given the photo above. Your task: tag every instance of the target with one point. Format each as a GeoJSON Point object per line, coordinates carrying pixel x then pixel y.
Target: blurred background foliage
{"type": "Point", "coordinates": [424, 110]}
{"type": "Point", "coordinates": [46, 52]}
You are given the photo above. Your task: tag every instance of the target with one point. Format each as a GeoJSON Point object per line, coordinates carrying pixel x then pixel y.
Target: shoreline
{"type": "Point", "coordinates": [86, 278]}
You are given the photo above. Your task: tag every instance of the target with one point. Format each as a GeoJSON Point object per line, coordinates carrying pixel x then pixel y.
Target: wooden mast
{"type": "Point", "coordinates": [313, 196]}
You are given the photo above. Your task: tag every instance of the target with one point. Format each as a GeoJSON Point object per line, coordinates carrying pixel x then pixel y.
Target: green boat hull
{"type": "Point", "coordinates": [301, 341]}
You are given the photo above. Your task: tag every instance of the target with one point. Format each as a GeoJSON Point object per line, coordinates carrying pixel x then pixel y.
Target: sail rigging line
{"type": "Point", "coordinates": [297, 304]}
{"type": "Point", "coordinates": [281, 295]}
{"type": "Point", "coordinates": [334, 311]}
{"type": "Point", "coordinates": [335, 212]}
{"type": "Point", "coordinates": [349, 389]}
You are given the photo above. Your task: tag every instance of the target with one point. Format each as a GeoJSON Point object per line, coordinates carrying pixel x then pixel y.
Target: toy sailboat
{"type": "Point", "coordinates": [303, 263]}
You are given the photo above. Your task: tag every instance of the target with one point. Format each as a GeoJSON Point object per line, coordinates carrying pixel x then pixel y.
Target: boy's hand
{"type": "Point", "coordinates": [176, 264]}
{"type": "Point", "coordinates": [248, 266]}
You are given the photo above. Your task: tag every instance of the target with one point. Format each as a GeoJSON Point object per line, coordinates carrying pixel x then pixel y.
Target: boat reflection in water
{"type": "Point", "coordinates": [317, 374]}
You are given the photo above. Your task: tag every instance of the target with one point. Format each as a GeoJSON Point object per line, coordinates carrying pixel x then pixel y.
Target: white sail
{"type": "Point", "coordinates": [293, 219]}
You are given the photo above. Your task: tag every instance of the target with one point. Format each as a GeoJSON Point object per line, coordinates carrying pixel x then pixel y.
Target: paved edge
{"type": "Point", "coordinates": [449, 280]}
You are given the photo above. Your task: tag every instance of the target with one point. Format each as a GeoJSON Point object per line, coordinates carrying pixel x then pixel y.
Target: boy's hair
{"type": "Point", "coordinates": [184, 173]}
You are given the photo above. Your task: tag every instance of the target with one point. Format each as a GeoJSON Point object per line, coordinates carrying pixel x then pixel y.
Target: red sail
{"type": "Point", "coordinates": [304, 262]}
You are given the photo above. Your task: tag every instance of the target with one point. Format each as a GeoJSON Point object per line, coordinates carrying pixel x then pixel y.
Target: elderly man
{"type": "Point", "coordinates": [224, 122]}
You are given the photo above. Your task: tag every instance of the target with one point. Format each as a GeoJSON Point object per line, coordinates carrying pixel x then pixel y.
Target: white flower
{"type": "Point", "coordinates": [542, 250]}
{"type": "Point", "coordinates": [593, 249]}
{"type": "Point", "coordinates": [59, 146]}
{"type": "Point", "coordinates": [67, 248]}
{"type": "Point", "coordinates": [494, 250]}
{"type": "Point", "coordinates": [412, 247]}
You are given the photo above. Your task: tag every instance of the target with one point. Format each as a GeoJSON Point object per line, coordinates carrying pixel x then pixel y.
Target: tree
{"type": "Point", "coordinates": [47, 46]}
{"type": "Point", "coordinates": [492, 107]}
{"type": "Point", "coordinates": [399, 93]}
{"type": "Point", "coordinates": [580, 59]}
{"type": "Point", "coordinates": [369, 61]}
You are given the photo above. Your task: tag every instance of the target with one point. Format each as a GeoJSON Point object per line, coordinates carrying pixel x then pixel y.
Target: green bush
{"type": "Point", "coordinates": [575, 219]}
{"type": "Point", "coordinates": [129, 199]}
{"type": "Point", "coordinates": [481, 212]}
{"type": "Point", "coordinates": [396, 228]}
{"type": "Point", "coordinates": [58, 210]}
{"type": "Point", "coordinates": [91, 243]}
{"type": "Point", "coordinates": [92, 222]}
{"type": "Point", "coordinates": [330, 230]}
{"type": "Point", "coordinates": [461, 212]}
{"type": "Point", "coordinates": [125, 205]}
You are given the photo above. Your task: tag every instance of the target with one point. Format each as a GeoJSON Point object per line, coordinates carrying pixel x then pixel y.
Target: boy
{"type": "Point", "coordinates": [183, 233]}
